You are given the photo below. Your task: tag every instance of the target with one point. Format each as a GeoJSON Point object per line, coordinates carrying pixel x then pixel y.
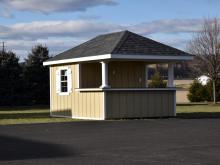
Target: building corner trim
{"type": "Point", "coordinates": [50, 76]}
{"type": "Point", "coordinates": [104, 105]}
{"type": "Point", "coordinates": [174, 100]}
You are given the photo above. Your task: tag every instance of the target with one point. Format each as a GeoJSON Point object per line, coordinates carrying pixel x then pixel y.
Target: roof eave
{"type": "Point", "coordinates": [80, 59]}
{"type": "Point", "coordinates": [122, 57]}
{"type": "Point", "coordinates": [152, 57]}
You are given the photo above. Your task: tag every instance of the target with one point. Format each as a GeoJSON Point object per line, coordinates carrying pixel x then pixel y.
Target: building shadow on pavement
{"type": "Point", "coordinates": [14, 148]}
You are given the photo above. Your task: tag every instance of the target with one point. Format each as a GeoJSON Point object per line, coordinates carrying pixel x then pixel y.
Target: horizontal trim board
{"type": "Point", "coordinates": [59, 115]}
{"type": "Point", "coordinates": [86, 118]}
{"type": "Point", "coordinates": [89, 89]}
{"type": "Point", "coordinates": [139, 89]}
{"type": "Point", "coordinates": [123, 89]}
{"type": "Point", "coordinates": [76, 117]}
{"type": "Point", "coordinates": [120, 56]}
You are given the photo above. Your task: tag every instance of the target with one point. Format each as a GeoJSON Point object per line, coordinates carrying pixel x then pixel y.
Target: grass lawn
{"type": "Point", "coordinates": [26, 115]}
{"type": "Point", "coordinates": [198, 111]}
{"type": "Point", "coordinates": [190, 108]}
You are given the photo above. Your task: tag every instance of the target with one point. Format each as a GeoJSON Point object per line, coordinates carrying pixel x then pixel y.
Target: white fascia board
{"type": "Point", "coordinates": [120, 56]}
{"type": "Point", "coordinates": [80, 59]}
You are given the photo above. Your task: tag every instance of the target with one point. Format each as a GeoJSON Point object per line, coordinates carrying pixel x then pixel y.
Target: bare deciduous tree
{"type": "Point", "coordinates": [206, 46]}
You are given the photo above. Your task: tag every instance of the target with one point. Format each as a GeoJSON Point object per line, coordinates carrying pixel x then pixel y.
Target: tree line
{"type": "Point", "coordinates": [25, 83]}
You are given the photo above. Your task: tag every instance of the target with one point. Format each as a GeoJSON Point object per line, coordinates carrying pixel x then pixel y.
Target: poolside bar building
{"type": "Point", "coordinates": [107, 78]}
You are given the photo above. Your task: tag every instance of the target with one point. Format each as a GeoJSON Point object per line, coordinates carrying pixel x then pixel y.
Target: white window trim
{"type": "Point", "coordinates": [64, 93]}
{"type": "Point", "coordinates": [68, 92]}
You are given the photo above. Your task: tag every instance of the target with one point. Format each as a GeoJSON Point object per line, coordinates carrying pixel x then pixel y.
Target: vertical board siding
{"type": "Point", "coordinates": [76, 104]}
{"type": "Point", "coordinates": [127, 74]}
{"type": "Point", "coordinates": [119, 104]}
{"type": "Point", "coordinates": [139, 104]}
{"type": "Point", "coordinates": [91, 74]}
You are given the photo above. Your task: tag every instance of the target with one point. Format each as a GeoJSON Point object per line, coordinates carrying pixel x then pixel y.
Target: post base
{"type": "Point", "coordinates": [104, 86]}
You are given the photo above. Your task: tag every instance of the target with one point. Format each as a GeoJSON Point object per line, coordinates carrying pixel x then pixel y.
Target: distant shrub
{"type": "Point", "coordinates": [157, 81]}
{"type": "Point", "coordinates": [198, 92]}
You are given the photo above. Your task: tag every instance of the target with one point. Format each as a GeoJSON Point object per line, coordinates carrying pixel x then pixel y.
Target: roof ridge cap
{"type": "Point", "coordinates": [120, 41]}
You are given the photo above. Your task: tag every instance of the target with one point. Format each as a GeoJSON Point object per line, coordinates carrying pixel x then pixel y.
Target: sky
{"type": "Point", "coordinates": [63, 24]}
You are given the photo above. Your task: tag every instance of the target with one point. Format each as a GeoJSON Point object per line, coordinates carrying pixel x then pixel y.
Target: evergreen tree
{"type": "Point", "coordinates": [157, 81]}
{"type": "Point", "coordinates": [37, 76]}
{"type": "Point", "coordinates": [11, 85]}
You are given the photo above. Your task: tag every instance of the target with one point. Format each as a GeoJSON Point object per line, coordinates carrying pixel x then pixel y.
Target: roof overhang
{"type": "Point", "coordinates": [122, 57]}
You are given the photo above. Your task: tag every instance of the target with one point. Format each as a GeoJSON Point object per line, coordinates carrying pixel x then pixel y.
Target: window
{"type": "Point", "coordinates": [63, 80]}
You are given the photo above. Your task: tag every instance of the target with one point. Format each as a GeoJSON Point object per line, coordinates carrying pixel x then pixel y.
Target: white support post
{"type": "Point", "coordinates": [146, 75]}
{"type": "Point", "coordinates": [104, 75]}
{"type": "Point", "coordinates": [79, 75]}
{"type": "Point", "coordinates": [170, 82]}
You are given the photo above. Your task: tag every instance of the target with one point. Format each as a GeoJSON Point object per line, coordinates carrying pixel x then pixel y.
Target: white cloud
{"type": "Point", "coordinates": [23, 47]}
{"type": "Point", "coordinates": [5, 12]}
{"type": "Point", "coordinates": [169, 26]}
{"type": "Point", "coordinates": [57, 35]}
{"type": "Point", "coordinates": [49, 6]}
{"type": "Point", "coordinates": [62, 35]}
{"type": "Point", "coordinates": [85, 28]}
{"type": "Point", "coordinates": [45, 29]}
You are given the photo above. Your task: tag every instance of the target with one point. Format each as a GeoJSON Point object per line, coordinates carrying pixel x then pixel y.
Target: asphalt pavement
{"type": "Point", "coordinates": [151, 141]}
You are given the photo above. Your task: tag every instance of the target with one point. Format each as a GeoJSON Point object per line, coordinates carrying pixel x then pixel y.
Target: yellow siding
{"type": "Point", "coordinates": [76, 104]}
{"type": "Point", "coordinates": [140, 104]}
{"type": "Point", "coordinates": [119, 104]}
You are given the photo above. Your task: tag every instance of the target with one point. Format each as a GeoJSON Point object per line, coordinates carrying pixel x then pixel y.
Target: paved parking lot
{"type": "Point", "coordinates": [153, 141]}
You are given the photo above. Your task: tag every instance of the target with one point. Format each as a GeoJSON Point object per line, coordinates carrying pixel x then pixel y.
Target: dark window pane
{"type": "Point", "coordinates": [64, 89]}
{"type": "Point", "coordinates": [62, 78]}
{"type": "Point", "coordinates": [63, 72]}
{"type": "Point", "coordinates": [63, 84]}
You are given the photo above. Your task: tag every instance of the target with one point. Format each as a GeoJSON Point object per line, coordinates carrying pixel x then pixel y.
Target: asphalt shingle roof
{"type": "Point", "coordinates": [123, 43]}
